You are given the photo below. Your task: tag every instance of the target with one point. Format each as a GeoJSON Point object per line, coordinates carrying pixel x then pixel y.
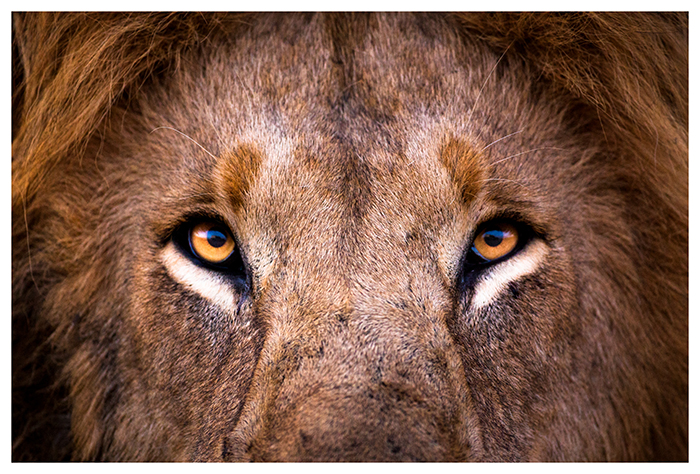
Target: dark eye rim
{"type": "Point", "coordinates": [234, 266]}
{"type": "Point", "coordinates": [473, 264]}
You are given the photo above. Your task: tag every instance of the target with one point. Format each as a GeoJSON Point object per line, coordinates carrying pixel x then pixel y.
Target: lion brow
{"type": "Point", "coordinates": [463, 164]}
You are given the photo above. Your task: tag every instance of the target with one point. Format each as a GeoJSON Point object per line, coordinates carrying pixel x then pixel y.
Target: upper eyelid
{"type": "Point", "coordinates": [516, 214]}
{"type": "Point", "coordinates": [170, 219]}
{"type": "Point", "coordinates": [169, 231]}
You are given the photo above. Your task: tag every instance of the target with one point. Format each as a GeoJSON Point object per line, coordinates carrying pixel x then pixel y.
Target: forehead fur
{"type": "Point", "coordinates": [60, 84]}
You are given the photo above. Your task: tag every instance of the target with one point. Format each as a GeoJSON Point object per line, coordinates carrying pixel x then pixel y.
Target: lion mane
{"type": "Point", "coordinates": [600, 373]}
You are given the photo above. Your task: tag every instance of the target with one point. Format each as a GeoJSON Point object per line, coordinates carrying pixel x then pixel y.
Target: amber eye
{"type": "Point", "coordinates": [211, 242]}
{"type": "Point", "coordinates": [495, 241]}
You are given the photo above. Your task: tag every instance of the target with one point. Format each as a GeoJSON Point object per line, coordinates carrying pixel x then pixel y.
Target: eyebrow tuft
{"type": "Point", "coordinates": [236, 171]}
{"type": "Point", "coordinates": [464, 166]}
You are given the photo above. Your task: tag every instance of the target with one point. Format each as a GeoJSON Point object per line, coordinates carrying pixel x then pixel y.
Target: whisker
{"type": "Point", "coordinates": [602, 127]}
{"type": "Point", "coordinates": [192, 196]}
{"type": "Point", "coordinates": [656, 146]}
{"type": "Point", "coordinates": [501, 179]}
{"type": "Point", "coordinates": [188, 137]}
{"type": "Point", "coordinates": [29, 249]}
{"type": "Point", "coordinates": [502, 138]}
{"type": "Point", "coordinates": [469, 119]}
{"type": "Point", "coordinates": [524, 152]}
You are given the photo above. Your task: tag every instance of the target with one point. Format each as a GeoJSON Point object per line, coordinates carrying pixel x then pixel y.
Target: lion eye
{"type": "Point", "coordinates": [495, 241]}
{"type": "Point", "coordinates": [211, 242]}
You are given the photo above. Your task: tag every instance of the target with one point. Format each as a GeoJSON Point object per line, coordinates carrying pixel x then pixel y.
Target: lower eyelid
{"type": "Point", "coordinates": [492, 283]}
{"type": "Point", "coordinates": [207, 283]}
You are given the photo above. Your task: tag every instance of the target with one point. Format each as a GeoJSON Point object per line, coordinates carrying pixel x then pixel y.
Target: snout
{"type": "Point", "coordinates": [357, 392]}
{"type": "Point", "coordinates": [381, 422]}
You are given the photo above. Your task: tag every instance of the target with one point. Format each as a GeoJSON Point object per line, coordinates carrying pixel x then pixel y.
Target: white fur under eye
{"type": "Point", "coordinates": [497, 278]}
{"type": "Point", "coordinates": [206, 283]}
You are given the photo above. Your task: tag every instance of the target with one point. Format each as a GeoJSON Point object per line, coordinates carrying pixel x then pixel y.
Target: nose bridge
{"type": "Point", "coordinates": [357, 362]}
{"type": "Point", "coordinates": [348, 373]}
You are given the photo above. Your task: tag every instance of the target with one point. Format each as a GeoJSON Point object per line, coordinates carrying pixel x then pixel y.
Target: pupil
{"type": "Point", "coordinates": [216, 238]}
{"type": "Point", "coordinates": [493, 238]}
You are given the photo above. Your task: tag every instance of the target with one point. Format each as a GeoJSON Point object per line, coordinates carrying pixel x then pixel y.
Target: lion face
{"type": "Point", "coordinates": [364, 238]}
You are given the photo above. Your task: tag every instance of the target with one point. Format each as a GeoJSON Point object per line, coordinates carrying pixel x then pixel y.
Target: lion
{"type": "Point", "coordinates": [350, 237]}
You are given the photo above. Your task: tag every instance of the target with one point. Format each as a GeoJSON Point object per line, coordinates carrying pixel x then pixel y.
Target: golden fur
{"type": "Point", "coordinates": [354, 157]}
